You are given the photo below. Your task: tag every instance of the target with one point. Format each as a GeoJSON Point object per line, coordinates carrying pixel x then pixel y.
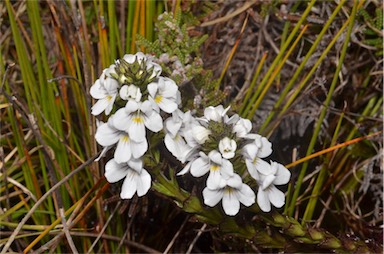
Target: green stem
{"type": "Point", "coordinates": [298, 71]}
{"type": "Point", "coordinates": [319, 182]}
{"type": "Point", "coordinates": [245, 110]}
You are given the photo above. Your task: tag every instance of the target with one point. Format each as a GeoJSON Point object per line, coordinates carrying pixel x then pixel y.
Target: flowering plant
{"type": "Point", "coordinates": [137, 98]}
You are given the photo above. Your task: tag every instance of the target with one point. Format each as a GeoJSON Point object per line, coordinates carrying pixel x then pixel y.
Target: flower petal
{"type": "Point", "coordinates": [97, 90]}
{"type": "Point", "coordinates": [166, 104]}
{"type": "Point", "coordinates": [242, 127]}
{"type": "Point", "coordinates": [123, 150]}
{"type": "Point", "coordinates": [226, 168]}
{"type": "Point", "coordinates": [129, 187]}
{"type": "Point", "coordinates": [231, 204]}
{"type": "Point", "coordinates": [200, 134]}
{"type": "Point", "coordinates": [154, 122]}
{"type": "Point", "coordinates": [268, 181]}
{"type": "Point", "coordinates": [131, 106]}
{"type": "Point", "coordinates": [282, 175]}
{"type": "Point", "coordinates": [252, 169]}
{"type": "Point", "coordinates": [143, 183]}
{"type": "Point", "coordinates": [246, 195]}
{"type": "Point", "coordinates": [114, 171]}
{"type": "Point", "coordinates": [136, 164]}
{"type": "Point", "coordinates": [235, 181]}
{"type": "Point", "coordinates": [138, 148]}
{"type": "Point", "coordinates": [266, 148]}
{"type": "Point", "coordinates": [214, 179]}
{"type": "Point", "coordinates": [99, 106]}
{"type": "Point", "coordinates": [276, 196]}
{"type": "Point", "coordinates": [107, 135]}
{"type": "Point", "coordinates": [215, 157]}
{"type": "Point", "coordinates": [249, 151]}
{"type": "Point", "coordinates": [111, 100]}
{"type": "Point", "coordinates": [173, 126]}
{"type": "Point", "coordinates": [186, 169]}
{"type": "Point", "coordinates": [212, 113]}
{"type": "Point", "coordinates": [136, 129]}
{"type": "Point", "coordinates": [121, 120]}
{"type": "Point", "coordinates": [263, 167]}
{"type": "Point", "coordinates": [199, 167]}
{"type": "Point", "coordinates": [177, 146]}
{"type": "Point", "coordinates": [169, 88]}
{"type": "Point", "coordinates": [129, 58]}
{"type": "Point", "coordinates": [152, 89]}
{"type": "Point", "coordinates": [212, 197]}
{"type": "Point", "coordinates": [263, 201]}
{"type": "Point", "coordinates": [111, 85]}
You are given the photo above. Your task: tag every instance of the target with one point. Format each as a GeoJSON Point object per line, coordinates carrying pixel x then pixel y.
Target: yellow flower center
{"type": "Point", "coordinates": [158, 98]}
{"type": "Point", "coordinates": [228, 190]}
{"type": "Point", "coordinates": [125, 138]}
{"type": "Point", "coordinates": [138, 119]}
{"type": "Point", "coordinates": [215, 167]}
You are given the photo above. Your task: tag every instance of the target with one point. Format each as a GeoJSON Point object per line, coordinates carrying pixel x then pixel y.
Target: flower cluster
{"type": "Point", "coordinates": [219, 146]}
{"type": "Point", "coordinates": [223, 147]}
{"type": "Point", "coordinates": [133, 87]}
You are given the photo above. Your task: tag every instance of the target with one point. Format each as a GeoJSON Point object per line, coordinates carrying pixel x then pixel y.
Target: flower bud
{"type": "Point", "coordinates": [316, 234]}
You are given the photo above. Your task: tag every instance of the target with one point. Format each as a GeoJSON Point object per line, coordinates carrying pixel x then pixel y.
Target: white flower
{"type": "Point", "coordinates": [215, 113]}
{"type": "Point", "coordinates": [156, 68]}
{"type": "Point", "coordinates": [242, 127]}
{"type": "Point", "coordinates": [173, 139]}
{"type": "Point", "coordinates": [217, 167]}
{"type": "Point", "coordinates": [140, 58]}
{"type": "Point", "coordinates": [200, 134]}
{"type": "Point", "coordinates": [233, 192]}
{"type": "Point", "coordinates": [188, 123]}
{"type": "Point", "coordinates": [137, 179]}
{"type": "Point", "coordinates": [178, 147]}
{"type": "Point", "coordinates": [227, 148]}
{"type": "Point", "coordinates": [110, 71]}
{"type": "Point", "coordinates": [231, 120]}
{"type": "Point", "coordinates": [130, 92]}
{"type": "Point", "coordinates": [107, 135]}
{"type": "Point", "coordinates": [135, 117]}
{"type": "Point", "coordinates": [191, 157]}
{"type": "Point", "coordinates": [163, 94]}
{"type": "Point", "coordinates": [174, 123]}
{"type": "Point", "coordinates": [105, 91]}
{"type": "Point", "coordinates": [275, 174]}
{"type": "Point", "coordinates": [253, 153]}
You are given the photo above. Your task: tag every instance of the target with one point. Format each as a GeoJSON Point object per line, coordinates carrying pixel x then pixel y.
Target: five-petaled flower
{"type": "Point", "coordinates": [105, 91]}
{"type": "Point", "coordinates": [275, 174]}
{"type": "Point", "coordinates": [135, 117]}
{"type": "Point", "coordinates": [217, 167]}
{"type": "Point", "coordinates": [227, 148]}
{"type": "Point", "coordinates": [107, 135]}
{"type": "Point", "coordinates": [232, 192]}
{"type": "Point", "coordinates": [163, 94]}
{"type": "Point", "coordinates": [137, 179]}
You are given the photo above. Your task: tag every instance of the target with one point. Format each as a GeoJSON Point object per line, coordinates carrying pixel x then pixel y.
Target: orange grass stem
{"type": "Point", "coordinates": [67, 212]}
{"type": "Point", "coordinates": [347, 143]}
{"type": "Point", "coordinates": [232, 52]}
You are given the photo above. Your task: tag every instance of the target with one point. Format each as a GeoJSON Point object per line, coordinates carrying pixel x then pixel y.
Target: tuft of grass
{"type": "Point", "coordinates": [51, 53]}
